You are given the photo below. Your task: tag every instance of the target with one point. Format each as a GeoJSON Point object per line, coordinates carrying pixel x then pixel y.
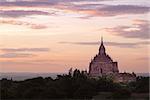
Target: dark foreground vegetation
{"type": "Point", "coordinates": [76, 86]}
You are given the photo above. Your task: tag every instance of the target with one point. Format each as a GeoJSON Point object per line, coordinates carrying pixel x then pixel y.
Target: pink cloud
{"type": "Point", "coordinates": [16, 55]}
{"type": "Point", "coordinates": [90, 9]}
{"type": "Point", "coordinates": [23, 23]}
{"type": "Point", "coordinates": [22, 13]}
{"type": "Point", "coordinates": [139, 29]}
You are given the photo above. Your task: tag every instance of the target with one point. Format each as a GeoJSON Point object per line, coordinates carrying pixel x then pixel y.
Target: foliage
{"type": "Point", "coordinates": [76, 86]}
{"type": "Point", "coordinates": [121, 93]}
{"type": "Point", "coordinates": [142, 84]}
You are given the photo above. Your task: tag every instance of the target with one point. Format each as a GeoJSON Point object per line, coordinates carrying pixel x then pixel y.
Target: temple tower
{"type": "Point", "coordinates": [102, 64]}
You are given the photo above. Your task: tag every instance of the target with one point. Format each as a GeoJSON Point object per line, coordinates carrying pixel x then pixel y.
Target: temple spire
{"type": "Point", "coordinates": [102, 48]}
{"type": "Point", "coordinates": [101, 39]}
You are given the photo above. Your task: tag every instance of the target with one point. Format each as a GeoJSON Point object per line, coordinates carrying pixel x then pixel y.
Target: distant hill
{"type": "Point", "coordinates": [143, 74]}
{"type": "Point", "coordinates": [26, 75]}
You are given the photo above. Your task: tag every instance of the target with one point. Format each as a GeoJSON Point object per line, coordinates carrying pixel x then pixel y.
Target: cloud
{"type": "Point", "coordinates": [21, 13]}
{"type": "Point", "coordinates": [80, 43]}
{"type": "Point", "coordinates": [39, 3]}
{"type": "Point", "coordinates": [122, 10]}
{"type": "Point", "coordinates": [127, 45]}
{"type": "Point", "coordinates": [100, 10]}
{"type": "Point", "coordinates": [21, 52]}
{"type": "Point", "coordinates": [117, 44]}
{"type": "Point", "coordinates": [140, 29]}
{"type": "Point", "coordinates": [87, 9]}
{"type": "Point", "coordinates": [23, 23]}
{"type": "Point", "coordinates": [144, 58]}
{"type": "Point", "coordinates": [33, 61]}
{"type": "Point", "coordinates": [28, 63]}
{"type": "Point", "coordinates": [25, 49]}
{"type": "Point", "coordinates": [16, 55]}
{"type": "Point", "coordinates": [35, 3]}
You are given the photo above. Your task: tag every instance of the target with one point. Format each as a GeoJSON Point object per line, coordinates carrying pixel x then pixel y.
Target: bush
{"type": "Point", "coordinates": [142, 85]}
{"type": "Point", "coordinates": [77, 86]}
{"type": "Point", "coordinates": [121, 93]}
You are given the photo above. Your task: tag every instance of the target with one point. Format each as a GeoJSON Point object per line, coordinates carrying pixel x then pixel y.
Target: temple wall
{"type": "Point", "coordinates": [124, 77]}
{"type": "Point", "coordinates": [99, 68]}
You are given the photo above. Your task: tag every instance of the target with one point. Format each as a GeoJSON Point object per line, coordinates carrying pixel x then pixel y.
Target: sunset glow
{"type": "Point", "coordinates": [55, 35]}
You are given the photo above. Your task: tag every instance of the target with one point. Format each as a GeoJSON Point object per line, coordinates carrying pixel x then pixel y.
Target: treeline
{"type": "Point", "coordinates": [75, 86]}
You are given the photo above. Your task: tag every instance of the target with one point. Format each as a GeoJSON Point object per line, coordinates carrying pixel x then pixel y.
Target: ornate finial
{"type": "Point", "coordinates": [102, 48]}
{"type": "Point", "coordinates": [101, 39]}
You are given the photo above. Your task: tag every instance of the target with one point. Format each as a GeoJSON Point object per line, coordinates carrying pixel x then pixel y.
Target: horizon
{"type": "Point", "coordinates": [50, 73]}
{"type": "Point", "coordinates": [54, 36]}
{"type": "Point", "coordinates": [29, 75]}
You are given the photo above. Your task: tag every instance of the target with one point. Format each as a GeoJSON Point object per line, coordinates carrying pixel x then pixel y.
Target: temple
{"type": "Point", "coordinates": [103, 65]}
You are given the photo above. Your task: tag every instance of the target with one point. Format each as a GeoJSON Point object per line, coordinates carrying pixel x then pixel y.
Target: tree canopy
{"type": "Point", "coordinates": [76, 86]}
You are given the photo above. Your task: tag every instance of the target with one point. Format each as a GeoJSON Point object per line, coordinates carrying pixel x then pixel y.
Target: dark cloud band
{"type": "Point", "coordinates": [25, 49]}
{"type": "Point", "coordinates": [16, 55]}
{"type": "Point", "coordinates": [117, 44]}
{"type": "Point", "coordinates": [21, 13]}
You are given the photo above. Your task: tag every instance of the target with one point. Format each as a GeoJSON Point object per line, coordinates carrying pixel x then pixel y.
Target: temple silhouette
{"type": "Point", "coordinates": [102, 65]}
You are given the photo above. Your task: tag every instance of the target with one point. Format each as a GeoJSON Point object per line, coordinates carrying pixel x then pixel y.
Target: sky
{"type": "Point", "coordinates": [56, 35]}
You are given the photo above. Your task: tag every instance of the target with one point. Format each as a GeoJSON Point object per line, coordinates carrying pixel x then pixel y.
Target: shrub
{"type": "Point", "coordinates": [121, 93]}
